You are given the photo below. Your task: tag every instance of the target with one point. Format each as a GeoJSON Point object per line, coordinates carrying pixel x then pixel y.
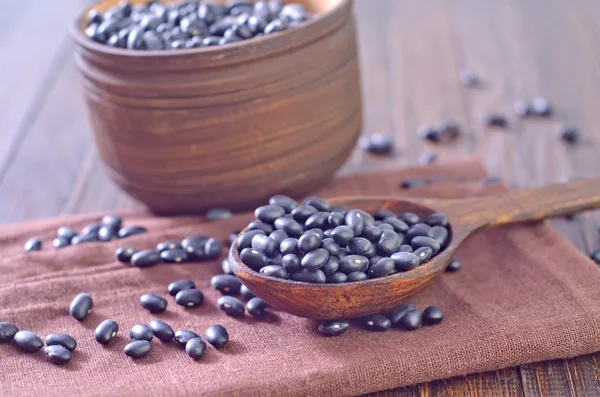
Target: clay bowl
{"type": "Point", "coordinates": [228, 126]}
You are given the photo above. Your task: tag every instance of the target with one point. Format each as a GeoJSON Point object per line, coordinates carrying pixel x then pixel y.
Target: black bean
{"type": "Point", "coordinates": [33, 244]}
{"type": "Point", "coordinates": [94, 33]}
{"type": "Point", "coordinates": [129, 231]}
{"type": "Point", "coordinates": [335, 219]}
{"type": "Point", "coordinates": [496, 120]}
{"type": "Point", "coordinates": [541, 107]}
{"type": "Point", "coordinates": [429, 133]}
{"type": "Point", "coordinates": [137, 349]}
{"type": "Point", "coordinates": [411, 320]}
{"type": "Point", "coordinates": [278, 236]}
{"type": "Point", "coordinates": [398, 225]}
{"type": "Point", "coordinates": [106, 331]}
{"type": "Point", "coordinates": [135, 39]}
{"type": "Point", "coordinates": [141, 332]}
{"type": "Point", "coordinates": [195, 348]}
{"type": "Point", "coordinates": [357, 276]}
{"type": "Point", "coordinates": [372, 251]}
{"type": "Point", "coordinates": [168, 245]}
{"type": "Point", "coordinates": [318, 203]}
{"type": "Point", "coordinates": [315, 259]}
{"type": "Point", "coordinates": [453, 266]}
{"type": "Point", "coordinates": [376, 144]}
{"type": "Point", "coordinates": [275, 271]}
{"type": "Point", "coordinates": [302, 212]}
{"type": "Point", "coordinates": [84, 238]}
{"type": "Point", "coordinates": [180, 285]}
{"type": "Point", "coordinates": [385, 226]}
{"type": "Point", "coordinates": [449, 129]}
{"type": "Point", "coordinates": [355, 221]}
{"type": "Point", "coordinates": [57, 354]}
{"type": "Point", "coordinates": [254, 259]}
{"type": "Point", "coordinates": [183, 336]}
{"type": "Point", "coordinates": [371, 233]}
{"type": "Point", "coordinates": [207, 12]}
{"type": "Point", "coordinates": [440, 234]}
{"type": "Point", "coordinates": [94, 17]}
{"type": "Point", "coordinates": [353, 263]}
{"type": "Point", "coordinates": [568, 134]}
{"type": "Point", "coordinates": [61, 242]}
{"type": "Point", "coordinates": [108, 232]}
{"type": "Point", "coordinates": [333, 327]}
{"type": "Point", "coordinates": [437, 219]}
{"type": "Point", "coordinates": [384, 267]}
{"type": "Point", "coordinates": [111, 220]}
{"type": "Point", "coordinates": [255, 306]}
{"type": "Point", "coordinates": [358, 246]}
{"type": "Point", "coordinates": [7, 331]}
{"type": "Point", "coordinates": [66, 232]}
{"type": "Point", "coordinates": [396, 315]}
{"type": "Point", "coordinates": [467, 78]}
{"type": "Point", "coordinates": [81, 306]}
{"type": "Point", "coordinates": [177, 255]}
{"type": "Point", "coordinates": [213, 248]}
{"type": "Point", "coordinates": [432, 315]}
{"type": "Point", "coordinates": [382, 214]}
{"type": "Point", "coordinates": [413, 183]}
{"type": "Point", "coordinates": [285, 202]}
{"type": "Point", "coordinates": [336, 278]}
{"type": "Point", "coordinates": [405, 261]}
{"type": "Point", "coordinates": [327, 233]}
{"type": "Point", "coordinates": [342, 235]}
{"type": "Point", "coordinates": [388, 243]}
{"type": "Point", "coordinates": [293, 12]}
{"type": "Point", "coordinates": [246, 293]}
{"type": "Point", "coordinates": [375, 322]}
{"type": "Point", "coordinates": [194, 27]}
{"type": "Point", "coordinates": [421, 241]}
{"type": "Point", "coordinates": [162, 330]}
{"type": "Point", "coordinates": [374, 259]}
{"type": "Point", "coordinates": [257, 24]}
{"type": "Point", "coordinates": [219, 27]}
{"type": "Point", "coordinates": [189, 297]}
{"type": "Point", "coordinates": [145, 258]}
{"type": "Point", "coordinates": [310, 276]}
{"type": "Point", "coordinates": [264, 244]}
{"type": "Point", "coordinates": [153, 303]}
{"type": "Point", "coordinates": [309, 241]}
{"type": "Point", "coordinates": [409, 218]}
{"type": "Point", "coordinates": [276, 25]}
{"type": "Point", "coordinates": [420, 229]}
{"type": "Point", "coordinates": [124, 254]}
{"type": "Point", "coordinates": [424, 254]}
{"type": "Point", "coordinates": [245, 239]}
{"type": "Point", "coordinates": [317, 220]}
{"type": "Point", "coordinates": [428, 158]}
{"type": "Point", "coordinates": [27, 341]}
{"type": "Point", "coordinates": [269, 213]}
{"type": "Point", "coordinates": [231, 306]}
{"type": "Point", "coordinates": [331, 246]}
{"type": "Point", "coordinates": [405, 248]}
{"type": "Point", "coordinates": [63, 340]}
{"type": "Point", "coordinates": [259, 225]}
{"type": "Point", "coordinates": [226, 284]}
{"type": "Point", "coordinates": [289, 225]}
{"type": "Point", "coordinates": [291, 263]}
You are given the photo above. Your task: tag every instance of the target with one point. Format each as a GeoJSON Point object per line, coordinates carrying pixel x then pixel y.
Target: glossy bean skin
{"type": "Point", "coordinates": [64, 340]}
{"type": "Point", "coordinates": [179, 285]}
{"type": "Point", "coordinates": [138, 349]}
{"type": "Point", "coordinates": [217, 335]}
{"type": "Point", "coordinates": [333, 327]}
{"type": "Point", "coordinates": [27, 341]}
{"type": "Point", "coordinates": [106, 331]}
{"type": "Point", "coordinates": [231, 306]}
{"type": "Point", "coordinates": [7, 331]}
{"type": "Point", "coordinates": [81, 306]}
{"type": "Point", "coordinates": [161, 330]}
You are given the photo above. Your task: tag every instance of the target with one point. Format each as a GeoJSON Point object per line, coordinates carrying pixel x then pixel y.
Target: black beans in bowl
{"type": "Point", "coordinates": [190, 24]}
{"type": "Point", "coordinates": [341, 245]}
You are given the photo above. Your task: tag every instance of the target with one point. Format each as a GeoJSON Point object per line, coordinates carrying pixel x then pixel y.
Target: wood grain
{"type": "Point", "coordinates": [410, 55]}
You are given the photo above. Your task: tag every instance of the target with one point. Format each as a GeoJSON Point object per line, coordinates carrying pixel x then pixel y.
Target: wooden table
{"type": "Point", "coordinates": [411, 53]}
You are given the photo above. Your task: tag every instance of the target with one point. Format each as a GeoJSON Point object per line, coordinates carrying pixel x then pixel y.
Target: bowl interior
{"type": "Point", "coordinates": [313, 6]}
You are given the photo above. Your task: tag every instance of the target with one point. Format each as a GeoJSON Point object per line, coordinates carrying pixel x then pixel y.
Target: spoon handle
{"type": "Point", "coordinates": [535, 204]}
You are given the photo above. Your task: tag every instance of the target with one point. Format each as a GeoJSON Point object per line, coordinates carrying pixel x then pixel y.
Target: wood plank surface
{"type": "Point", "coordinates": [411, 54]}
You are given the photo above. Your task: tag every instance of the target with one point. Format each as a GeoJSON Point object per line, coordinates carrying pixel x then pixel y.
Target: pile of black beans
{"type": "Point", "coordinates": [58, 350]}
{"type": "Point", "coordinates": [190, 249]}
{"type": "Point", "coordinates": [406, 317]}
{"type": "Point", "coordinates": [190, 24]}
{"type": "Point", "coordinates": [318, 243]}
{"type": "Point", "coordinates": [110, 228]}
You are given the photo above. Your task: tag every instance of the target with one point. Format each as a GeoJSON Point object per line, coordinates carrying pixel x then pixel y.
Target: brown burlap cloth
{"type": "Point", "coordinates": [524, 294]}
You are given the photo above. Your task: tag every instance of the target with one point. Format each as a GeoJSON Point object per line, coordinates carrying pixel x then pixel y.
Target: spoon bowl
{"type": "Point", "coordinates": [466, 217]}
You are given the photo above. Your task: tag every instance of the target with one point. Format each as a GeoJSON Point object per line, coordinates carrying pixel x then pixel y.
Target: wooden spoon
{"type": "Point", "coordinates": [466, 216]}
